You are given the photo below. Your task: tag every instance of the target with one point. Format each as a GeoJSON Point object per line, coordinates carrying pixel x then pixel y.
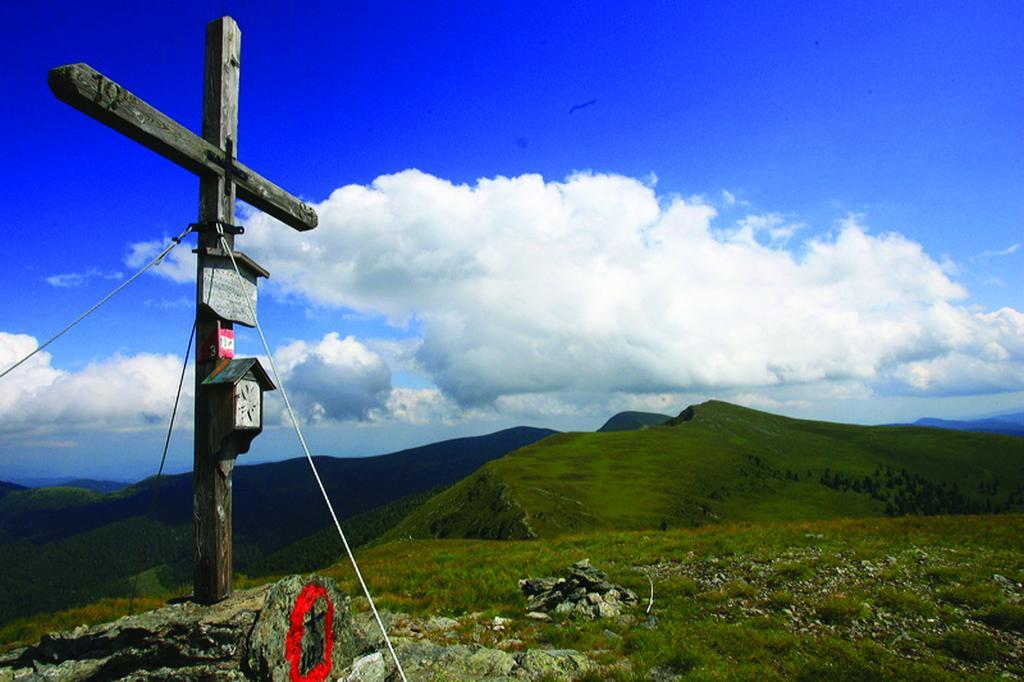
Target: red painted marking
{"type": "Point", "coordinates": [219, 343]}
{"type": "Point", "coordinates": [226, 343]}
{"type": "Point", "coordinates": [293, 643]}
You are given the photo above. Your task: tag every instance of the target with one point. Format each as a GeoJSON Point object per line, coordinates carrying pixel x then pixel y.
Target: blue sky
{"type": "Point", "coordinates": [810, 209]}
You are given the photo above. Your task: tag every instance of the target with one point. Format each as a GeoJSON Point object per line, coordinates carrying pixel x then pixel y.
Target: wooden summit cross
{"type": "Point", "coordinates": [228, 411]}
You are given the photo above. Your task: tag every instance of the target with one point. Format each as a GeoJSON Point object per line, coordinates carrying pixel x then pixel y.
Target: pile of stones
{"type": "Point", "coordinates": [584, 591]}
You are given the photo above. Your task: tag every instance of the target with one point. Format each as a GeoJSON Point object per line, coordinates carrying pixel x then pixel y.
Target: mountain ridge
{"type": "Point", "coordinates": [631, 421]}
{"type": "Point", "coordinates": [718, 461]}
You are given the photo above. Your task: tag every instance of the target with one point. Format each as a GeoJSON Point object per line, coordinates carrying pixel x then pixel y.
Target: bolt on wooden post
{"type": "Point", "coordinates": [229, 391]}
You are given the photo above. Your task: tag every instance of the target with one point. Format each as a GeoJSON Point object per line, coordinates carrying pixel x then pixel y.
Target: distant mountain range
{"type": "Point", "coordinates": [1009, 424]}
{"type": "Point", "coordinates": [62, 546]}
{"type": "Point", "coordinates": [97, 486]}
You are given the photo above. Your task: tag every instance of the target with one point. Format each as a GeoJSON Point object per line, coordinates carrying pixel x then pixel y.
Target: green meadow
{"type": "Point", "coordinates": [925, 598]}
{"type": "Point", "coordinates": [761, 547]}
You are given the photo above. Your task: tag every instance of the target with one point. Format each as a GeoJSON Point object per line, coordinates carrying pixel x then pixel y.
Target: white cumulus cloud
{"type": "Point", "coordinates": [178, 266]}
{"type": "Point", "coordinates": [596, 284]}
{"type": "Point", "coordinates": [118, 393]}
{"type": "Point", "coordinates": [331, 380]}
{"type": "Point", "coordinates": [335, 379]}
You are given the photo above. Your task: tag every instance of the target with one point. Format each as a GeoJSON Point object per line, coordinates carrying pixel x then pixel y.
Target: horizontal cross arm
{"type": "Point", "coordinates": [92, 93]}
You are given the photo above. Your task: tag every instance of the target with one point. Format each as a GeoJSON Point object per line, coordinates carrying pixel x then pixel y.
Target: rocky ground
{"type": "Point", "coordinates": [802, 604]}
{"type": "Point", "coordinates": [905, 602]}
{"type": "Point", "coordinates": [244, 638]}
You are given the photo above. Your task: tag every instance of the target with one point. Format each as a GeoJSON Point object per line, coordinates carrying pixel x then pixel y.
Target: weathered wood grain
{"type": "Point", "coordinates": [224, 294]}
{"type": "Point", "coordinates": [221, 178]}
{"type": "Point", "coordinates": [95, 95]}
{"type": "Point", "coordinates": [213, 462]}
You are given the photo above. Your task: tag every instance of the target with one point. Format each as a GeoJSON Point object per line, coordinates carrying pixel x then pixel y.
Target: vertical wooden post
{"type": "Point", "coordinates": [212, 157]}
{"type": "Point", "coordinates": [211, 477]}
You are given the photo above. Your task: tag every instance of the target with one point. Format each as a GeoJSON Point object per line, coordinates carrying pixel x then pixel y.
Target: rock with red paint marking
{"type": "Point", "coordinates": [303, 633]}
{"type": "Point", "coordinates": [243, 637]}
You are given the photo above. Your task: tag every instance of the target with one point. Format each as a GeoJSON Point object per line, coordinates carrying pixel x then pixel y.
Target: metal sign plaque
{"type": "Point", "coordinates": [224, 294]}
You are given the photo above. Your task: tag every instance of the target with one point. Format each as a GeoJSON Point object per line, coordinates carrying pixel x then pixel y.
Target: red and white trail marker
{"type": "Point", "coordinates": [218, 344]}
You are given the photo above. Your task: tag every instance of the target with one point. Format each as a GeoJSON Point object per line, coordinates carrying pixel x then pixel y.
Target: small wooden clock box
{"type": "Point", "coordinates": [236, 402]}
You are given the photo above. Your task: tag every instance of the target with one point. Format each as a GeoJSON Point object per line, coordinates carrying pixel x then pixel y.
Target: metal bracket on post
{"type": "Point", "coordinates": [217, 227]}
{"type": "Point", "coordinates": [227, 162]}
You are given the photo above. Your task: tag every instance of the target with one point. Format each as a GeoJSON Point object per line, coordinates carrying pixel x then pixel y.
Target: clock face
{"type": "Point", "coordinates": [247, 404]}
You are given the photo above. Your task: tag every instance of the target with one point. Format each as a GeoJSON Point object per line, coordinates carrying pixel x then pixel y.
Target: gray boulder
{"type": "Point", "coordinates": [186, 639]}
{"type": "Point", "coordinates": [246, 636]}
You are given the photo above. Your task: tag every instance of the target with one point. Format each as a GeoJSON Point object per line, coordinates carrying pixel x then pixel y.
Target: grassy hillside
{"type": "Point", "coordinates": [935, 598]}
{"type": "Point", "coordinates": [719, 462]}
{"type": "Point", "coordinates": [274, 504]}
{"type": "Point", "coordinates": [324, 547]}
{"type": "Point", "coordinates": [90, 545]}
{"type": "Point", "coordinates": [97, 486]}
{"type": "Point", "coordinates": [631, 421]}
{"type": "Point", "coordinates": [95, 564]}
{"type": "Point", "coordinates": [43, 501]}
{"type": "Point", "coordinates": [773, 583]}
{"type": "Point", "coordinates": [7, 487]}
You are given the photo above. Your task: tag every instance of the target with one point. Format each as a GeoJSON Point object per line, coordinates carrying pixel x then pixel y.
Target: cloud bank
{"type": "Point", "coordinates": [525, 297]}
{"type": "Point", "coordinates": [595, 285]}
{"type": "Point", "coordinates": [120, 393]}
{"type": "Point", "coordinates": [329, 381]}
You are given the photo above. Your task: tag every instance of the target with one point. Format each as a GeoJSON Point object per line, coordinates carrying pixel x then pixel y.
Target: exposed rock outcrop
{"type": "Point", "coordinates": [422, 660]}
{"type": "Point", "coordinates": [584, 591]}
{"type": "Point", "coordinates": [184, 640]}
{"type": "Point", "coordinates": [298, 628]}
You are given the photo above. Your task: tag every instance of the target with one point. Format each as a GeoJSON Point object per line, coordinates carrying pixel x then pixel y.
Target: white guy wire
{"type": "Point", "coordinates": [316, 474]}
{"type": "Point", "coordinates": [163, 457]}
{"type": "Point", "coordinates": [174, 242]}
